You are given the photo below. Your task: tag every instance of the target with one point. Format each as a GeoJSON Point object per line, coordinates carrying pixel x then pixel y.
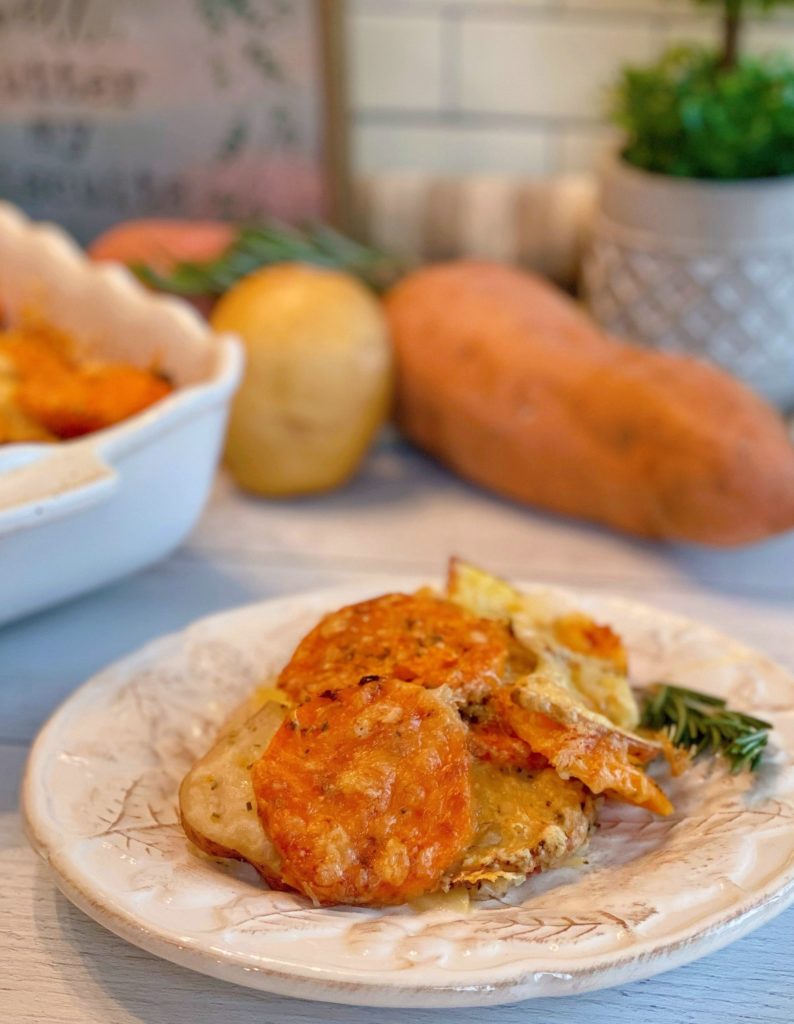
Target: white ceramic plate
{"type": "Point", "coordinates": [100, 803]}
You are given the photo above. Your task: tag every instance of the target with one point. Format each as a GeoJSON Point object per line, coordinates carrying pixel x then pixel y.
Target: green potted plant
{"type": "Point", "coordinates": [693, 242]}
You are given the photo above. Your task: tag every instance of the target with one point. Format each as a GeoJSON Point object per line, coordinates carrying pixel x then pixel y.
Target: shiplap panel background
{"type": "Point", "coordinates": [513, 86]}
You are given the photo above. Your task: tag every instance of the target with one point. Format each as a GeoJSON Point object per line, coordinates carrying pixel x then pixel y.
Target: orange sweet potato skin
{"type": "Point", "coordinates": [161, 243]}
{"type": "Point", "coordinates": [507, 381]}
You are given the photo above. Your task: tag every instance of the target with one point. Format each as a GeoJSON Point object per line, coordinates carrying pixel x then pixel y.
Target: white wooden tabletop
{"type": "Point", "coordinates": [402, 514]}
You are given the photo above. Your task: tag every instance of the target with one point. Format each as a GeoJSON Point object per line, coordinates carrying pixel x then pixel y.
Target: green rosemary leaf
{"type": "Point", "coordinates": [758, 723]}
{"type": "Point", "coordinates": [185, 279]}
{"type": "Point", "coordinates": [657, 702]}
{"type": "Point", "coordinates": [699, 698]}
{"type": "Point", "coordinates": [702, 722]}
{"type": "Point", "coordinates": [681, 725]}
{"type": "Point", "coordinates": [261, 245]}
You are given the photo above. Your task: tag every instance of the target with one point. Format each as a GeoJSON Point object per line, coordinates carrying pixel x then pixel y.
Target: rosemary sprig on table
{"type": "Point", "coordinates": [702, 723]}
{"type": "Point", "coordinates": [261, 245]}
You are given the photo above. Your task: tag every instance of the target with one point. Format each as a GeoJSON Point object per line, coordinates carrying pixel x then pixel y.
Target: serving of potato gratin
{"type": "Point", "coordinates": [419, 742]}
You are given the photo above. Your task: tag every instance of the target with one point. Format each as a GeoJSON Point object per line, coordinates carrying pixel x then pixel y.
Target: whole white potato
{"type": "Point", "coordinates": [318, 378]}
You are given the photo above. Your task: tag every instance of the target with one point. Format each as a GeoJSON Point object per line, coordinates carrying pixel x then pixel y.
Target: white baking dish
{"type": "Point", "coordinates": [82, 513]}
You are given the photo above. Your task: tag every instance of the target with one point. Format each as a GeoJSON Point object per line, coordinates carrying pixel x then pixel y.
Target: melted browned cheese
{"type": "Point", "coordinates": [523, 822]}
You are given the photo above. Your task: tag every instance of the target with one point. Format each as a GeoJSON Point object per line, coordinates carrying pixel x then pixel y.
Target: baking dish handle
{"type": "Point", "coordinates": [36, 488]}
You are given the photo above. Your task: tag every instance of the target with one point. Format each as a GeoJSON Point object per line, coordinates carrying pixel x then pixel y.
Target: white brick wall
{"type": "Point", "coordinates": [514, 86]}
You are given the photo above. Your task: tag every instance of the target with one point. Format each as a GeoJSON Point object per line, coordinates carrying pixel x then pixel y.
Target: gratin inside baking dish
{"type": "Point", "coordinates": [49, 391]}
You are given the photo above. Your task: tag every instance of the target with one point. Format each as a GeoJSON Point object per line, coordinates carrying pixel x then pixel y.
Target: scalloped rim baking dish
{"type": "Point", "coordinates": [81, 513]}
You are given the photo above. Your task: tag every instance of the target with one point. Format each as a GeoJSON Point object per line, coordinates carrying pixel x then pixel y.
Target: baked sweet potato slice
{"type": "Point", "coordinates": [418, 637]}
{"type": "Point", "coordinates": [365, 793]}
{"type": "Point", "coordinates": [581, 744]}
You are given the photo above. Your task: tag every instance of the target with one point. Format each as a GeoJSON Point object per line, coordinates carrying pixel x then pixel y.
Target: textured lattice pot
{"type": "Point", "coordinates": [700, 267]}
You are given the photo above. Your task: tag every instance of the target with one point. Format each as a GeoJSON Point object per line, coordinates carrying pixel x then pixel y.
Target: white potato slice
{"type": "Point", "coordinates": [524, 822]}
{"type": "Point", "coordinates": [541, 624]}
{"type": "Point", "coordinates": [217, 801]}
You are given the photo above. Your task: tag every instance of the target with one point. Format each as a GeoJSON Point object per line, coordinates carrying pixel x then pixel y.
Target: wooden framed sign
{"type": "Point", "coordinates": [187, 108]}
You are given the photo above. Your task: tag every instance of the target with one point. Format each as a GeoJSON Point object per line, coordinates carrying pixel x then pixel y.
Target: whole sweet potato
{"type": "Point", "coordinates": [504, 379]}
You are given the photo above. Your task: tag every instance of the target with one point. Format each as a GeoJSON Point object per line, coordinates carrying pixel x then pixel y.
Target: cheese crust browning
{"type": "Point", "coordinates": [413, 637]}
{"type": "Point", "coordinates": [524, 822]}
{"type": "Point", "coordinates": [365, 793]}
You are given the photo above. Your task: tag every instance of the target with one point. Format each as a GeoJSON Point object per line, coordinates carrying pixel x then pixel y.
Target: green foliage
{"type": "Point", "coordinates": [690, 116]}
{"type": "Point", "coordinates": [702, 723]}
{"type": "Point", "coordinates": [262, 245]}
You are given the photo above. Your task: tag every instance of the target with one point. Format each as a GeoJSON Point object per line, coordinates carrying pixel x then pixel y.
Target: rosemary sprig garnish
{"type": "Point", "coordinates": [261, 245]}
{"type": "Point", "coordinates": [702, 723]}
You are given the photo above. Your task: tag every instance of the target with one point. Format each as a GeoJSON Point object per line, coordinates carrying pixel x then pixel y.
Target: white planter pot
{"type": "Point", "coordinates": [700, 267]}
